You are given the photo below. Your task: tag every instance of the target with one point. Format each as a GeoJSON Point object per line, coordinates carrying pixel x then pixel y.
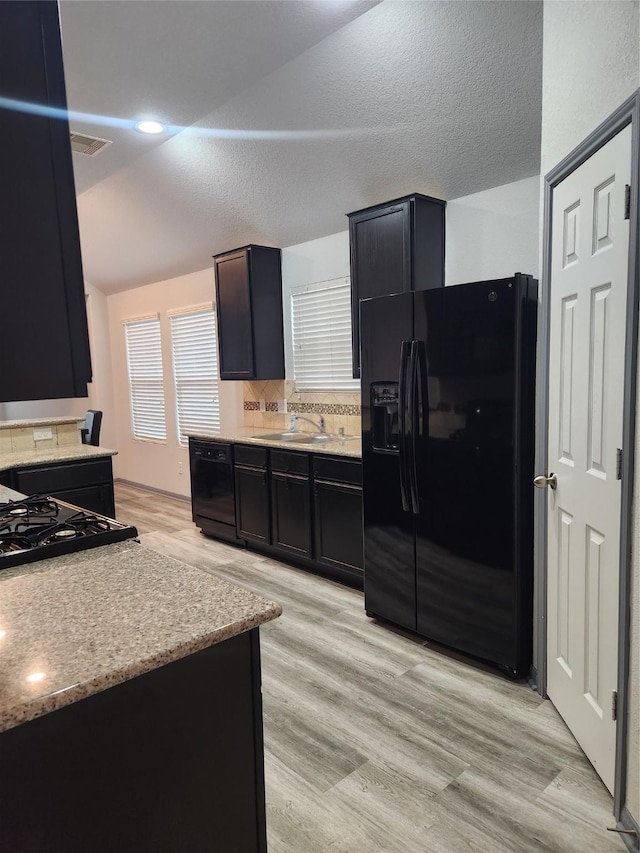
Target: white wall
{"type": "Point", "coordinates": [45, 408]}
{"type": "Point", "coordinates": [493, 234]}
{"type": "Point", "coordinates": [591, 64]}
{"type": "Point", "coordinates": [101, 389]}
{"type": "Point", "coordinates": [149, 463]}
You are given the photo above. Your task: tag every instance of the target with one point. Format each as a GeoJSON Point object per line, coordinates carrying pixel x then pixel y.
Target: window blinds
{"type": "Point", "coordinates": [321, 322]}
{"type": "Point", "coordinates": [146, 388]}
{"type": "Point", "coordinates": [195, 371]}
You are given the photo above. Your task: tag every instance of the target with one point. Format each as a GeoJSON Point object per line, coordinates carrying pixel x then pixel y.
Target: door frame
{"type": "Point", "coordinates": [627, 113]}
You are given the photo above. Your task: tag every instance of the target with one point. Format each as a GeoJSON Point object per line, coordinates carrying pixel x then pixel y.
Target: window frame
{"type": "Point", "coordinates": [176, 314]}
{"type": "Point", "coordinates": [128, 323]}
{"type": "Point", "coordinates": [346, 384]}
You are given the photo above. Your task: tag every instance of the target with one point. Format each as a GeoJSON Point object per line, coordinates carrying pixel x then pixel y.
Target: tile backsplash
{"type": "Point", "coordinates": [339, 408]}
{"type": "Point", "coordinates": [20, 439]}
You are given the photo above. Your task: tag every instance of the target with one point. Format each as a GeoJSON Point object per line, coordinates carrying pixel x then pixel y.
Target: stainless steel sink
{"type": "Point", "coordinates": [298, 437]}
{"type": "Point", "coordinates": [282, 436]}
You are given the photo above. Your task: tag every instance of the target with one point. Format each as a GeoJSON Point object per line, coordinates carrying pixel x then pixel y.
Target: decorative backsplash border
{"type": "Point", "coordinates": [323, 408]}
{"type": "Point", "coordinates": [340, 409]}
{"type": "Point", "coordinates": [306, 408]}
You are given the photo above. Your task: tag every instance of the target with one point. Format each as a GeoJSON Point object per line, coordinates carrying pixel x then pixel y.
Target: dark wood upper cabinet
{"type": "Point", "coordinates": [44, 345]}
{"type": "Point", "coordinates": [249, 305]}
{"type": "Point", "coordinates": [395, 246]}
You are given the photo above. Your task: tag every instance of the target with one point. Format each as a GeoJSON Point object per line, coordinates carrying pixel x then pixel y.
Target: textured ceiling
{"type": "Point", "coordinates": [328, 115]}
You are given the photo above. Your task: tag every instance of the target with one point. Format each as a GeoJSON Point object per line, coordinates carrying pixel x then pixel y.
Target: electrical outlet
{"type": "Point", "coordinates": [282, 405]}
{"type": "Point", "coordinates": [180, 468]}
{"type": "Point", "coordinates": [42, 433]}
{"type": "Point", "coordinates": [262, 405]}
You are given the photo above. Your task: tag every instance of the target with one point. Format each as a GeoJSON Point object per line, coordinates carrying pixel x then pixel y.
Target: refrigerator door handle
{"type": "Point", "coordinates": [413, 418]}
{"type": "Point", "coordinates": [403, 416]}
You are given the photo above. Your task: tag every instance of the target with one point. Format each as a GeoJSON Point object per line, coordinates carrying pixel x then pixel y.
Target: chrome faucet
{"type": "Point", "coordinates": [320, 426]}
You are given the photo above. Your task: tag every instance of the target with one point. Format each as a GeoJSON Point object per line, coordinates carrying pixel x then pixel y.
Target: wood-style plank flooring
{"type": "Point", "coordinates": [376, 741]}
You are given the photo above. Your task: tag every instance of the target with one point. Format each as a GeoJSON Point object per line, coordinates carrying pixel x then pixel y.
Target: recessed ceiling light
{"type": "Point", "coordinates": [150, 127]}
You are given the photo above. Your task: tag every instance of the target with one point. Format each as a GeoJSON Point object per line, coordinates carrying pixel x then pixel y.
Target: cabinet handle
{"type": "Point", "coordinates": [347, 486]}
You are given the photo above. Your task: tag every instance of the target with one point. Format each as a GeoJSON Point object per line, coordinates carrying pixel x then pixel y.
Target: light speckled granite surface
{"type": "Point", "coordinates": [36, 422]}
{"type": "Point", "coordinates": [75, 625]}
{"type": "Point", "coordinates": [7, 494]}
{"type": "Point", "coordinates": [25, 458]}
{"type": "Point", "coordinates": [350, 446]}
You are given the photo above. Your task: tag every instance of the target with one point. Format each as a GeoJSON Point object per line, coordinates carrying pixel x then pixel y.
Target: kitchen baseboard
{"type": "Point", "coordinates": [184, 498]}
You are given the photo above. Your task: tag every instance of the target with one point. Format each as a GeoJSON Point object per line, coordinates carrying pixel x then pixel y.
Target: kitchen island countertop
{"type": "Point", "coordinates": [72, 626]}
{"type": "Point", "coordinates": [72, 453]}
{"type": "Point", "coordinates": [350, 446]}
{"type": "Point", "coordinates": [23, 423]}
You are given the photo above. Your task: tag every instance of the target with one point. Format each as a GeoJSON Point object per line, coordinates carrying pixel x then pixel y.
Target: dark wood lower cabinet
{"type": "Point", "coordinates": [338, 520]}
{"type": "Point", "coordinates": [252, 503]}
{"type": "Point", "coordinates": [169, 761]}
{"type": "Point", "coordinates": [291, 513]}
{"type": "Point", "coordinates": [300, 506]}
{"type": "Point", "coordinates": [87, 484]}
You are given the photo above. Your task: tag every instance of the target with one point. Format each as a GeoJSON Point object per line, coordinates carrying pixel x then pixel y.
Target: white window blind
{"type": "Point", "coordinates": [321, 321]}
{"type": "Point", "coordinates": [195, 371]}
{"type": "Point", "coordinates": [146, 387]}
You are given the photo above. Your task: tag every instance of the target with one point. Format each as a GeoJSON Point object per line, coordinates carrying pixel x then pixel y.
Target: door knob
{"type": "Point", "coordinates": [542, 481]}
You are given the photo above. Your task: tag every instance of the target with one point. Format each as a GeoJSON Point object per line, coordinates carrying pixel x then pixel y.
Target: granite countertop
{"type": "Point", "coordinates": [25, 458]}
{"type": "Point", "coordinates": [7, 494]}
{"type": "Point", "coordinates": [36, 422]}
{"type": "Point", "coordinates": [349, 446]}
{"type": "Point", "coordinates": [75, 625]}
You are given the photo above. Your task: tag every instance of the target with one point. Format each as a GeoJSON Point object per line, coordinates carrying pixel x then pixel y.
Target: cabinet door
{"type": "Point", "coordinates": [44, 332]}
{"type": "Point", "coordinates": [338, 525]}
{"type": "Point", "coordinates": [252, 504]}
{"type": "Point", "coordinates": [291, 513]}
{"type": "Point", "coordinates": [380, 259]}
{"type": "Point", "coordinates": [235, 328]}
{"type": "Point", "coordinates": [97, 498]}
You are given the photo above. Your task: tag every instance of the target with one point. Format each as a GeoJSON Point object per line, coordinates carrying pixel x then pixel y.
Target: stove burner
{"type": "Point", "coordinates": [76, 526]}
{"type": "Point", "coordinates": [37, 527]}
{"type": "Point", "coordinates": [64, 533]}
{"type": "Point", "coordinates": [38, 506]}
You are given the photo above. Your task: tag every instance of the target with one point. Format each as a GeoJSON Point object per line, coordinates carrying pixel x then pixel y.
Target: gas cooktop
{"type": "Point", "coordinates": [37, 527]}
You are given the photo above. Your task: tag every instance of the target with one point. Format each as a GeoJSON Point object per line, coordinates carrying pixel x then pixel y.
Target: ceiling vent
{"type": "Point", "coordinates": [88, 145]}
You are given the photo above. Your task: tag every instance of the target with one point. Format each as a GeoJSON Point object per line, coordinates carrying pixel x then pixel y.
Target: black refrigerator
{"type": "Point", "coordinates": [448, 385]}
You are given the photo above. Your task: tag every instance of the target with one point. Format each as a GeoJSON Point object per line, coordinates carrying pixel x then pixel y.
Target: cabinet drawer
{"type": "Point", "coordinates": [289, 462]}
{"type": "Point", "coordinates": [246, 454]}
{"type": "Point", "coordinates": [56, 478]}
{"type": "Point", "coordinates": [337, 470]}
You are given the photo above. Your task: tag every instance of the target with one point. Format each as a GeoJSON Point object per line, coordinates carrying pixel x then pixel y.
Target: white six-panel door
{"type": "Point", "coordinates": [588, 291]}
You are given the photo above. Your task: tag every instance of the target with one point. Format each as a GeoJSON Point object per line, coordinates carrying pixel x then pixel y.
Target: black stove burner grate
{"type": "Point", "coordinates": [38, 527]}
{"type": "Point", "coordinates": [36, 506]}
{"type": "Point", "coordinates": [10, 543]}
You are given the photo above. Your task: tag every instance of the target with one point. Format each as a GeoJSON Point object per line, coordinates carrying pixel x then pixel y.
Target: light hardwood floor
{"type": "Point", "coordinates": [376, 741]}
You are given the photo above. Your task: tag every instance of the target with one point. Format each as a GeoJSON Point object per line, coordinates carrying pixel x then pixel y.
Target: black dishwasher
{"type": "Point", "coordinates": [212, 490]}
